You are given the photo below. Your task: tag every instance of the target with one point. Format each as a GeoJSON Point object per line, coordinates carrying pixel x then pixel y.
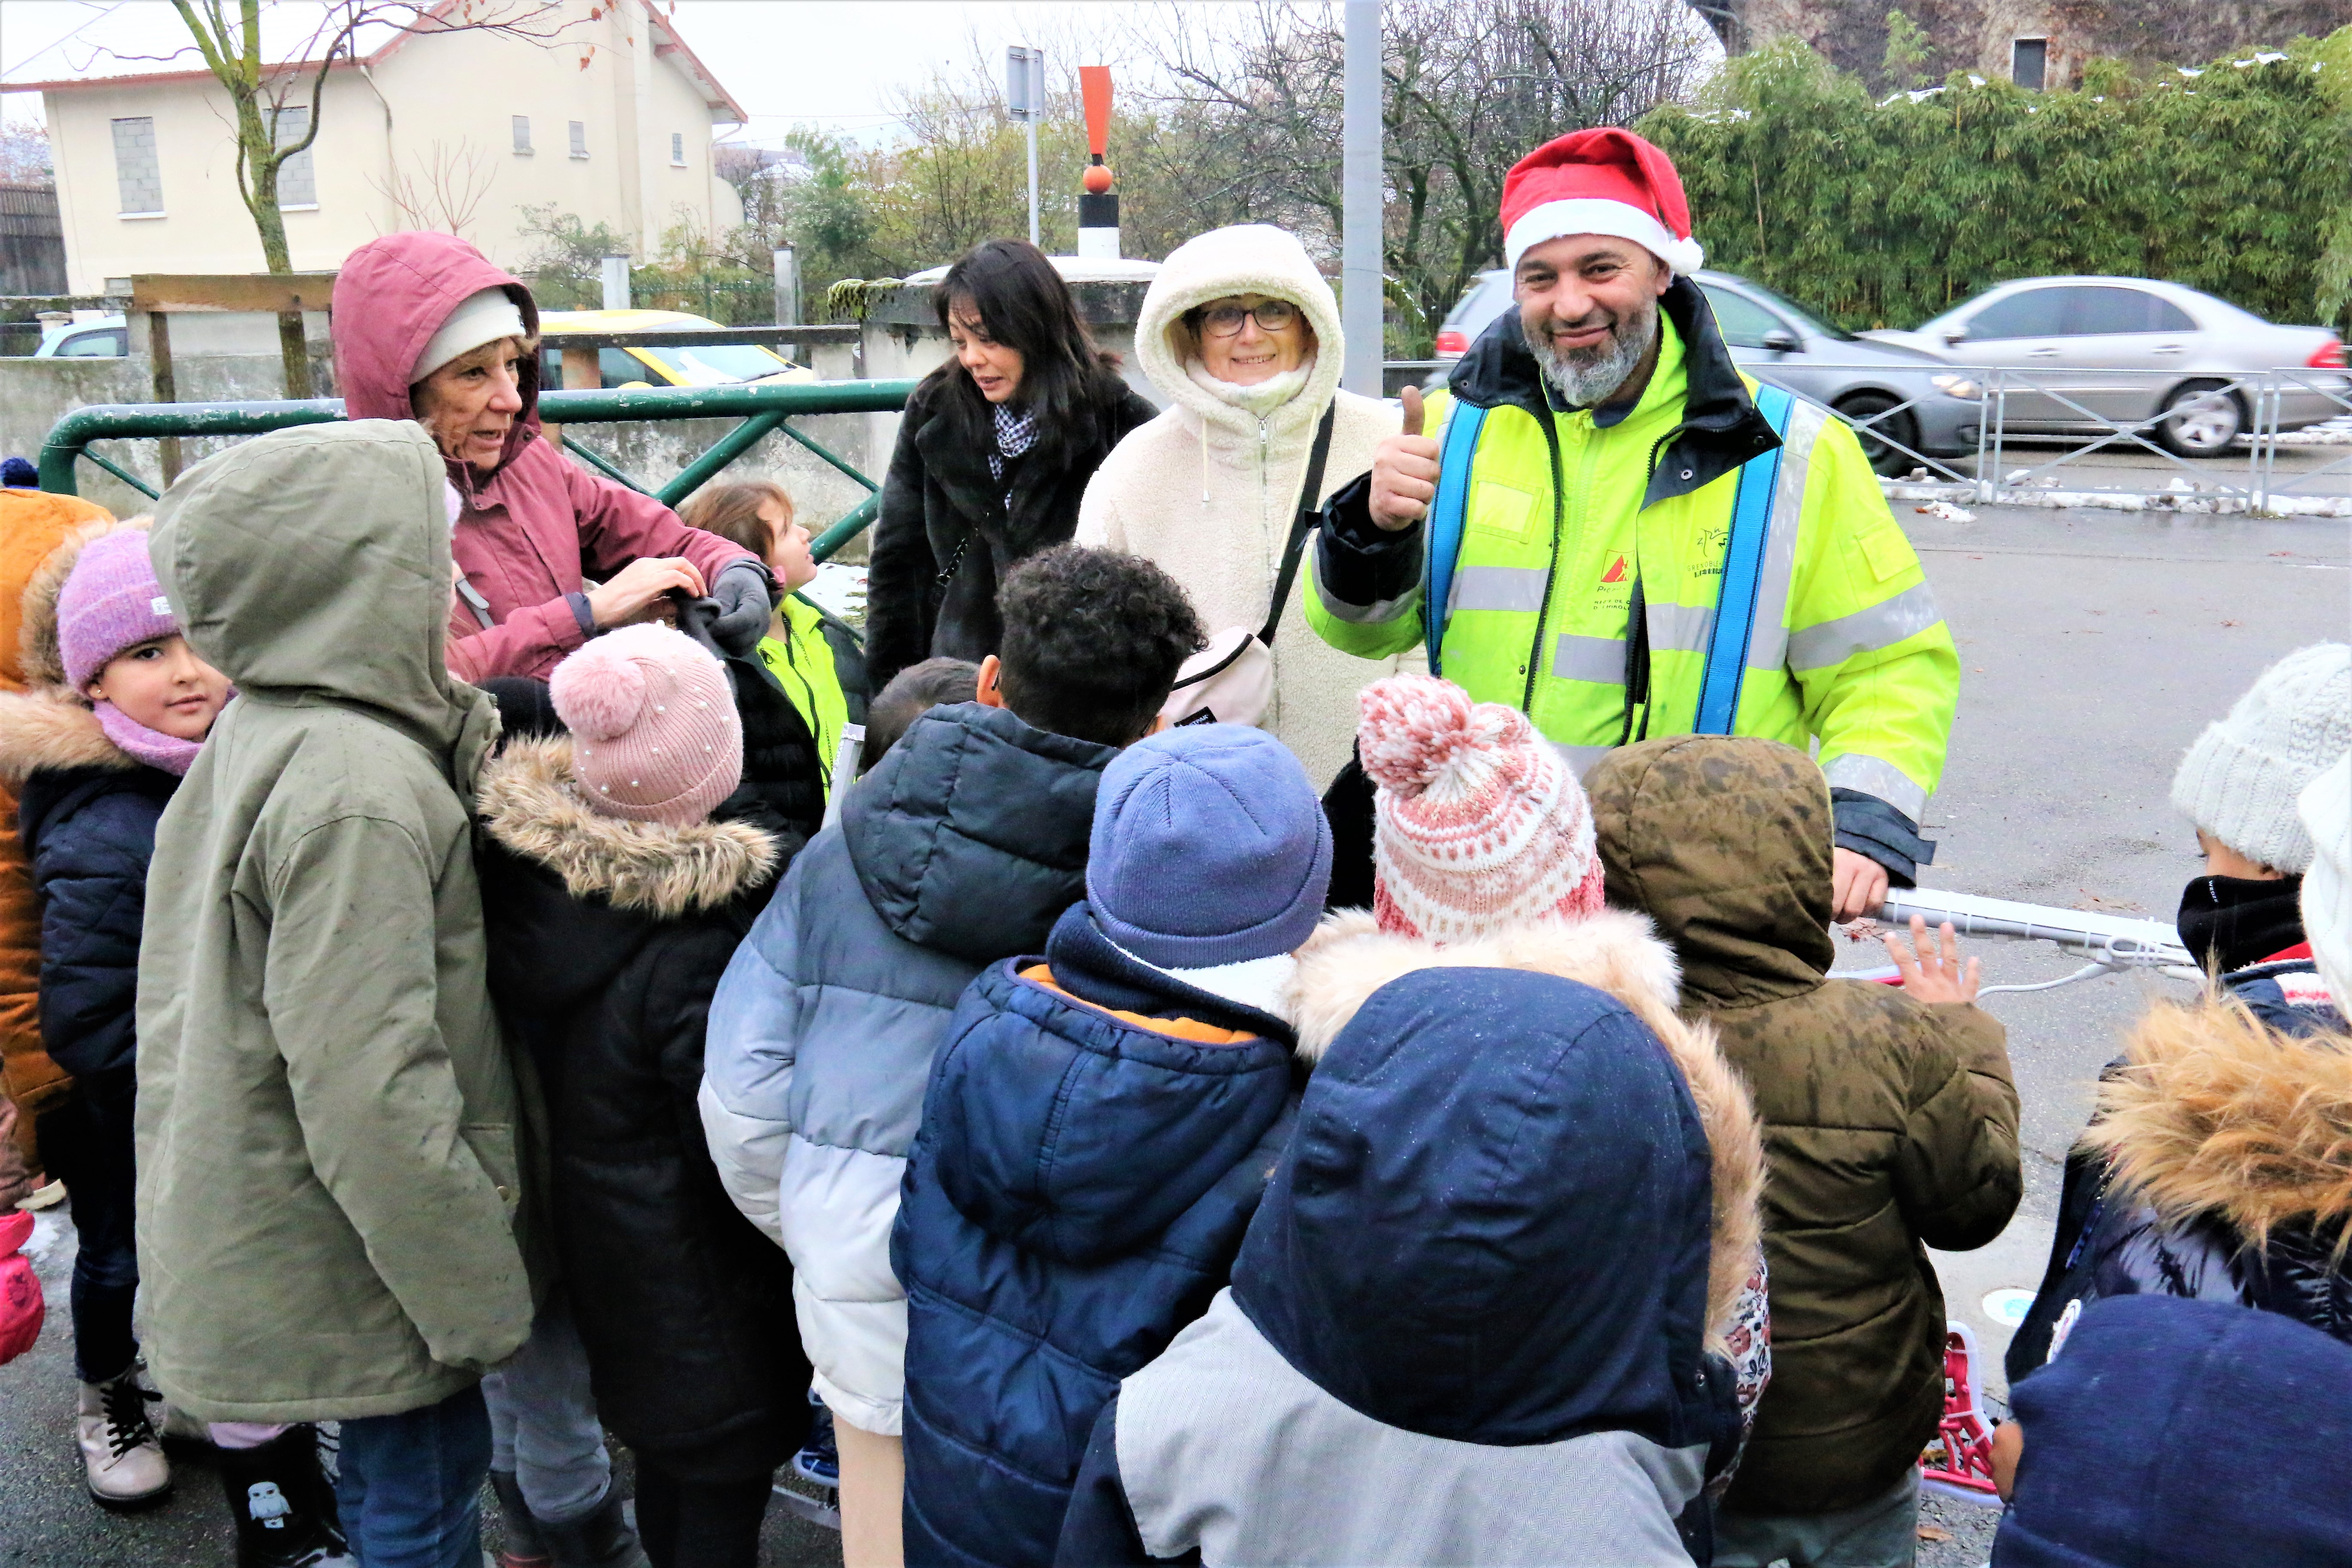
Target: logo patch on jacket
{"type": "Point", "coordinates": [2306, 991]}
{"type": "Point", "coordinates": [1616, 572]}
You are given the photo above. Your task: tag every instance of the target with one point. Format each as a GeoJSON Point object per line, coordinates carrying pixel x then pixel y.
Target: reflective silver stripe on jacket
{"type": "Point", "coordinates": [1685, 628]}
{"type": "Point", "coordinates": [1498, 588]}
{"type": "Point", "coordinates": [1679, 628]}
{"type": "Point", "coordinates": [1881, 625]}
{"type": "Point", "coordinates": [1379, 613]}
{"type": "Point", "coordinates": [1600, 659]}
{"type": "Point", "coordinates": [1768, 643]}
{"type": "Point", "coordinates": [1876, 775]}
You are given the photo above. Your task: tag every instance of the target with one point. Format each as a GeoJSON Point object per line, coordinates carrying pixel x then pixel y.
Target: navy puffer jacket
{"type": "Point", "coordinates": [1076, 1196]}
{"type": "Point", "coordinates": [86, 815]}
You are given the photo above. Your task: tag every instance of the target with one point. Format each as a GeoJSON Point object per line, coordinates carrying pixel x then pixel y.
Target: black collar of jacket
{"type": "Point", "coordinates": [1721, 427]}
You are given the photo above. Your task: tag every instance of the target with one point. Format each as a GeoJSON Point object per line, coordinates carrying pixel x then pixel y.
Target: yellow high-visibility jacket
{"type": "Point", "coordinates": [1572, 521]}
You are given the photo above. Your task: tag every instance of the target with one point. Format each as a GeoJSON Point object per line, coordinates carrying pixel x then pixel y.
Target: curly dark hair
{"type": "Point", "coordinates": [1092, 642]}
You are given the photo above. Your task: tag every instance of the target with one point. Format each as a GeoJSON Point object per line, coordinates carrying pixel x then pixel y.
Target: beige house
{"type": "Point", "coordinates": [602, 110]}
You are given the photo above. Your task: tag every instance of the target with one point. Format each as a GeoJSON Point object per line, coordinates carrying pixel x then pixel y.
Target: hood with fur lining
{"type": "Point", "coordinates": [52, 727]}
{"type": "Point", "coordinates": [1348, 958]}
{"type": "Point", "coordinates": [531, 803]}
{"type": "Point", "coordinates": [2216, 1114]}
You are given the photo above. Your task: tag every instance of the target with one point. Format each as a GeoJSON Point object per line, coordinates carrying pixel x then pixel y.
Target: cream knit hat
{"type": "Point", "coordinates": [2239, 781]}
{"type": "Point", "coordinates": [654, 733]}
{"type": "Point", "coordinates": [1478, 823]}
{"type": "Point", "coordinates": [2326, 810]}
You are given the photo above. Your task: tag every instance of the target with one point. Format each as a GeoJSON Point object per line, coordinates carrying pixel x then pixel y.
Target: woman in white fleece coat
{"type": "Point", "coordinates": [1208, 490]}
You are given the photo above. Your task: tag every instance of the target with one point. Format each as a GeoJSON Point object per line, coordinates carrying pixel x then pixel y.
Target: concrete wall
{"type": "Point", "coordinates": [442, 103]}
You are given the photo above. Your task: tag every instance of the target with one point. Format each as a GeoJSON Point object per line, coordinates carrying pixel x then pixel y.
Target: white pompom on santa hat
{"type": "Point", "coordinates": [1605, 181]}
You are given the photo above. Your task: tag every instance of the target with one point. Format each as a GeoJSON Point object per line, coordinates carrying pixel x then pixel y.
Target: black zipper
{"type": "Point", "coordinates": [1559, 520]}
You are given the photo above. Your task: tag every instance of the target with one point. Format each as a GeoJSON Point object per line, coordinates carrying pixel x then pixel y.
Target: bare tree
{"type": "Point", "coordinates": [445, 190]}
{"type": "Point", "coordinates": [275, 104]}
{"type": "Point", "coordinates": [1469, 87]}
{"type": "Point", "coordinates": [24, 155]}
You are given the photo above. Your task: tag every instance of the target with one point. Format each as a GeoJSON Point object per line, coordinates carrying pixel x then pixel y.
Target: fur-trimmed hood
{"type": "Point", "coordinates": [52, 727]}
{"type": "Point", "coordinates": [1348, 958]}
{"type": "Point", "coordinates": [531, 803]}
{"type": "Point", "coordinates": [2215, 1114]}
{"type": "Point", "coordinates": [1245, 258]}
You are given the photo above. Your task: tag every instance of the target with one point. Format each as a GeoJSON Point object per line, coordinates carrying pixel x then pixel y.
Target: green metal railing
{"type": "Point", "coordinates": [763, 411]}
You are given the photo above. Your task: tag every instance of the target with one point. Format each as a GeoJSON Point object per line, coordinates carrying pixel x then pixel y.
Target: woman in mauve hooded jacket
{"type": "Point", "coordinates": [534, 523]}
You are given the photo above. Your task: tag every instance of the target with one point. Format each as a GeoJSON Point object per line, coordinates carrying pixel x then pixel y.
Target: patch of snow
{"type": "Point", "coordinates": [2235, 504]}
{"type": "Point", "coordinates": [839, 591]}
{"type": "Point", "coordinates": [1945, 512]}
{"type": "Point", "coordinates": [1975, 80]}
{"type": "Point", "coordinates": [2184, 70]}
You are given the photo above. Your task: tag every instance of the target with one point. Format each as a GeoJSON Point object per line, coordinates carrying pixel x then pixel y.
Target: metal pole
{"type": "Point", "coordinates": [1033, 179]}
{"type": "Point", "coordinates": [1361, 311]}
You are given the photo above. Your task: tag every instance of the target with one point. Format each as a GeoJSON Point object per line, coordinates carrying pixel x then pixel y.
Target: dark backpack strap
{"type": "Point", "coordinates": [1302, 523]}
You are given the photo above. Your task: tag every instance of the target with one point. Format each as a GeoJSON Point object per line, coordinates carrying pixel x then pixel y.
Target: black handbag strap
{"type": "Point", "coordinates": [1302, 524]}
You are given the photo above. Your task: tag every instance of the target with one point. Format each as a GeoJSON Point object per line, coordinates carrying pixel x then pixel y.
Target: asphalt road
{"type": "Point", "coordinates": [2095, 646]}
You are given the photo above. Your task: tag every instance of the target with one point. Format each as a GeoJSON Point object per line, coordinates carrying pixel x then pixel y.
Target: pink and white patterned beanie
{"type": "Point", "coordinates": [1479, 824]}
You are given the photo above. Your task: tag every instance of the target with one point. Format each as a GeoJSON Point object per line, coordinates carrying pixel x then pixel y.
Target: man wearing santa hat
{"type": "Point", "coordinates": [1602, 522]}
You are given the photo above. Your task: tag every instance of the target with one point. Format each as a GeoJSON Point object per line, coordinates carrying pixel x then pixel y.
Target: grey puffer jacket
{"type": "Point", "coordinates": [957, 850]}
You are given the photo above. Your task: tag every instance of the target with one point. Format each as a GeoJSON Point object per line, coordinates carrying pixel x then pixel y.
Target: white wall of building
{"type": "Point", "coordinates": [445, 102]}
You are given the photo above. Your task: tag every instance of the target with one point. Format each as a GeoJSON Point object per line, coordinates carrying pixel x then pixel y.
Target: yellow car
{"type": "Point", "coordinates": [704, 364]}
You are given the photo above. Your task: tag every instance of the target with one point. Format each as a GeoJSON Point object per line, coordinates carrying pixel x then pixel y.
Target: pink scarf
{"type": "Point", "coordinates": [153, 747]}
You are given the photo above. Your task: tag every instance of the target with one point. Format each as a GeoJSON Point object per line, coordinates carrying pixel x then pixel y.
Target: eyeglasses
{"type": "Point", "coordinates": [1226, 321]}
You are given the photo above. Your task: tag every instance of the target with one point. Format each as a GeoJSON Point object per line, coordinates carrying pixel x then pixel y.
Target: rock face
{"type": "Point", "coordinates": [1982, 34]}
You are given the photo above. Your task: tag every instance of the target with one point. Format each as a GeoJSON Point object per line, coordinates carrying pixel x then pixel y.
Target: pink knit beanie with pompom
{"type": "Point", "coordinates": [654, 733]}
{"type": "Point", "coordinates": [1480, 823]}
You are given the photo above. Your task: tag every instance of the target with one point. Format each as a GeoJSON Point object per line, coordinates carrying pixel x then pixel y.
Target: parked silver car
{"type": "Point", "coordinates": [1900, 400]}
{"type": "Point", "coordinates": [2105, 352]}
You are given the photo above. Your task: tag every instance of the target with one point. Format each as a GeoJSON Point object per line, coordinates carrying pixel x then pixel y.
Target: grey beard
{"type": "Point", "coordinates": [1587, 378]}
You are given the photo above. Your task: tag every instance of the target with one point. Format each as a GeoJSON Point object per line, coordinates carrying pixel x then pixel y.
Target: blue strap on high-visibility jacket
{"type": "Point", "coordinates": [1743, 572]}
{"type": "Point", "coordinates": [1446, 511]}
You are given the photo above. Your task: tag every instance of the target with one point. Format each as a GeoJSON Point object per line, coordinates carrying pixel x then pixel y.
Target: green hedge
{"type": "Point", "coordinates": [2236, 180]}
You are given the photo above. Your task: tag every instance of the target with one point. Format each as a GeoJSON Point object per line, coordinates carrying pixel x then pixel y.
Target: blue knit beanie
{"type": "Point", "coordinates": [1209, 849]}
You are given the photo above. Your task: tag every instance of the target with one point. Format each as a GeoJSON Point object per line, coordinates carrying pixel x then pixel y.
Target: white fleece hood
{"type": "Point", "coordinates": [1246, 259]}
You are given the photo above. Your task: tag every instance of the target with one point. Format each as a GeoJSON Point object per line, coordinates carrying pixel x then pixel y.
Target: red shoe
{"type": "Point", "coordinates": [1958, 1461]}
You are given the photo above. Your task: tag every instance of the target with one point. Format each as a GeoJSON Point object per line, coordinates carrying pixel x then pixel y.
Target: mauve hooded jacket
{"type": "Point", "coordinates": [540, 521]}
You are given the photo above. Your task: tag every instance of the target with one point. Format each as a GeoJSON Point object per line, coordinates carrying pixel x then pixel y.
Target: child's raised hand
{"type": "Point", "coordinates": [1931, 971]}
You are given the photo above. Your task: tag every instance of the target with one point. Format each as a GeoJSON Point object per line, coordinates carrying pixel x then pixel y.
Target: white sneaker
{"type": "Point", "coordinates": [120, 1454]}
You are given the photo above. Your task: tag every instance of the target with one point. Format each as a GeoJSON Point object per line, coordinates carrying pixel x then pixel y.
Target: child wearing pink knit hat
{"type": "Point", "coordinates": [117, 710]}
{"type": "Point", "coordinates": [1479, 824]}
{"type": "Point", "coordinates": [617, 880]}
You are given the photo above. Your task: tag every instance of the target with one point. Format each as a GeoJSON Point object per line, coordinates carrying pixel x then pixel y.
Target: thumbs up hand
{"type": "Point", "coordinates": [1404, 471]}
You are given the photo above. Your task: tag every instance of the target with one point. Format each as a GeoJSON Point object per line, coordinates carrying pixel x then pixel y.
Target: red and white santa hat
{"type": "Point", "coordinates": [1605, 181]}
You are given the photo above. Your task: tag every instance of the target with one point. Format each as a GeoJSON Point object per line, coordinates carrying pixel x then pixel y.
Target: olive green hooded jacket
{"type": "Point", "coordinates": [327, 1120]}
{"type": "Point", "coordinates": [1889, 1126]}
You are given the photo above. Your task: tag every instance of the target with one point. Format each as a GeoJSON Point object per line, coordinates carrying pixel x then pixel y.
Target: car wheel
{"type": "Point", "coordinates": [1883, 439]}
{"type": "Point", "coordinates": [2201, 419]}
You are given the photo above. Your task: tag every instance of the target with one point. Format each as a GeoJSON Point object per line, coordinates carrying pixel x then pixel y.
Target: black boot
{"type": "Point", "coordinates": [522, 1544]}
{"type": "Point", "coordinates": [599, 1540]}
{"type": "Point", "coordinates": [283, 1504]}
